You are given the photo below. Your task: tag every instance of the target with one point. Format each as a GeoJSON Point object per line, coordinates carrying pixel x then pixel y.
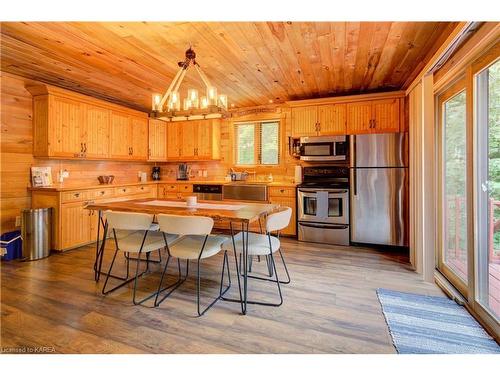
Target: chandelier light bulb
{"type": "Point", "coordinates": [156, 102]}
{"type": "Point", "coordinates": [204, 102]}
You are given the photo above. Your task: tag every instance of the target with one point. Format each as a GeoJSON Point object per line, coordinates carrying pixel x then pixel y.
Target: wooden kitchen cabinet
{"type": "Point", "coordinates": [305, 121]}
{"type": "Point", "coordinates": [129, 137]}
{"type": "Point", "coordinates": [359, 117]}
{"type": "Point", "coordinates": [174, 140]}
{"type": "Point", "coordinates": [375, 116]}
{"type": "Point", "coordinates": [97, 132]}
{"type": "Point", "coordinates": [285, 196]}
{"type": "Point", "coordinates": [120, 135]}
{"type": "Point", "coordinates": [189, 140]}
{"type": "Point", "coordinates": [157, 140]}
{"type": "Point", "coordinates": [139, 144]}
{"type": "Point", "coordinates": [76, 220]}
{"type": "Point", "coordinates": [74, 126]}
{"type": "Point", "coordinates": [193, 140]}
{"type": "Point", "coordinates": [327, 119]}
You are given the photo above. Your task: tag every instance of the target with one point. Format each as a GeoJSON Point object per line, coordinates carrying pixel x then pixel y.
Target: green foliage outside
{"type": "Point", "coordinates": [494, 142]}
{"type": "Point", "coordinates": [245, 138]}
{"type": "Point", "coordinates": [455, 174]}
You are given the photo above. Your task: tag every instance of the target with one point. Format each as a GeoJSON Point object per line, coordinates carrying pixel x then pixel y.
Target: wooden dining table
{"type": "Point", "coordinates": [239, 215]}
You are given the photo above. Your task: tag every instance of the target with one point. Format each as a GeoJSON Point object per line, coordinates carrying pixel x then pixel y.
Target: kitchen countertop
{"type": "Point", "coordinates": [70, 187]}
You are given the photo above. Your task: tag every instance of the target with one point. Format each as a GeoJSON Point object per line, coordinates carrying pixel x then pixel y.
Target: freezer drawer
{"type": "Point", "coordinates": [378, 205]}
{"type": "Point", "coordinates": [324, 233]}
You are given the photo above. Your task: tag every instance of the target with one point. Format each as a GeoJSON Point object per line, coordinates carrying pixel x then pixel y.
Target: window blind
{"type": "Point", "coordinates": [257, 143]}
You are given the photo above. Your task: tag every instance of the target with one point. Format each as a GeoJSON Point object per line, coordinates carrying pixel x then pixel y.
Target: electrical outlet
{"type": "Point", "coordinates": [18, 221]}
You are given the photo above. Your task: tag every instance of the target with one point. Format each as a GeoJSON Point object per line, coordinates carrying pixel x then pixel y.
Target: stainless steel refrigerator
{"type": "Point", "coordinates": [379, 189]}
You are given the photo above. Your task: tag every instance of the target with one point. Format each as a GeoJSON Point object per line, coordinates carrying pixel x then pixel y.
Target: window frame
{"type": "Point", "coordinates": [257, 144]}
{"type": "Point", "coordinates": [442, 98]}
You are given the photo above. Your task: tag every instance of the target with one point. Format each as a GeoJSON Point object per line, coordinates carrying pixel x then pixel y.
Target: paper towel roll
{"type": "Point", "coordinates": [298, 174]}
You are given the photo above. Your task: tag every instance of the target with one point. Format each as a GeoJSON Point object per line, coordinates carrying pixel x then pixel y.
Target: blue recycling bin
{"type": "Point", "coordinates": [11, 242]}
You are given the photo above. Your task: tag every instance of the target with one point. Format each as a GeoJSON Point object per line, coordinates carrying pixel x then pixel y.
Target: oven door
{"type": "Point", "coordinates": [336, 234]}
{"type": "Point", "coordinates": [323, 205]}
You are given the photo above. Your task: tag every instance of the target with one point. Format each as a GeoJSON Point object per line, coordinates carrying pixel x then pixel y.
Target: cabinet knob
{"type": "Point", "coordinates": [77, 195]}
{"type": "Point", "coordinates": [282, 190]}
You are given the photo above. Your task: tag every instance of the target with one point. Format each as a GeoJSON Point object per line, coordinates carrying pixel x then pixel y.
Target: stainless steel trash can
{"type": "Point", "coordinates": [36, 233]}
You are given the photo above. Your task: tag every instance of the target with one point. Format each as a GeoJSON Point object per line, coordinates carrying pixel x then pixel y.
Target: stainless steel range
{"type": "Point", "coordinates": [323, 205]}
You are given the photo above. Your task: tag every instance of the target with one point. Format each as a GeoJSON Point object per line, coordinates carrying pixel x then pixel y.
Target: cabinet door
{"type": "Point", "coordinates": [75, 224]}
{"type": "Point", "coordinates": [173, 140]}
{"type": "Point", "coordinates": [386, 116]}
{"type": "Point", "coordinates": [359, 118]}
{"type": "Point", "coordinates": [332, 119]}
{"type": "Point", "coordinates": [188, 140]}
{"type": "Point", "coordinates": [204, 143]}
{"type": "Point", "coordinates": [157, 140]}
{"type": "Point", "coordinates": [120, 136]}
{"type": "Point", "coordinates": [304, 121]}
{"type": "Point", "coordinates": [291, 229]}
{"type": "Point", "coordinates": [67, 130]}
{"type": "Point", "coordinates": [97, 132]}
{"type": "Point", "coordinates": [139, 144]}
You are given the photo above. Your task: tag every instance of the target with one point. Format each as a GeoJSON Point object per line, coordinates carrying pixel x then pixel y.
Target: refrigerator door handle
{"type": "Point", "coordinates": [354, 184]}
{"type": "Point", "coordinates": [352, 145]}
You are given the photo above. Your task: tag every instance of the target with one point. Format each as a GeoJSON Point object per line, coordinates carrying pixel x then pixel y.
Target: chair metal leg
{"type": "Point", "coordinates": [175, 285]}
{"type": "Point", "coordinates": [221, 292]}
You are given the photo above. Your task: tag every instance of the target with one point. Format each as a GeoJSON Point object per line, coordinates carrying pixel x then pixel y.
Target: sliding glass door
{"type": "Point", "coordinates": [452, 260]}
{"type": "Point", "coordinates": [487, 104]}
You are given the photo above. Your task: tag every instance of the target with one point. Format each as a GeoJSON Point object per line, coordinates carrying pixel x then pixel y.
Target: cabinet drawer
{"type": "Point", "coordinates": [278, 191]}
{"type": "Point", "coordinates": [102, 193]}
{"type": "Point", "coordinates": [171, 187]}
{"type": "Point", "coordinates": [143, 189]}
{"type": "Point", "coordinates": [74, 196]}
{"type": "Point", "coordinates": [125, 190]}
{"type": "Point", "coordinates": [185, 188]}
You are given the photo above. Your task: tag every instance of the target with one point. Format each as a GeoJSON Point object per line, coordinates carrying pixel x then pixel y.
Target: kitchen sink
{"type": "Point", "coordinates": [245, 191]}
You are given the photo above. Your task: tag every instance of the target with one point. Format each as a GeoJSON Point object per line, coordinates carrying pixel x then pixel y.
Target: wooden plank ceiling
{"type": "Point", "coordinates": [252, 62]}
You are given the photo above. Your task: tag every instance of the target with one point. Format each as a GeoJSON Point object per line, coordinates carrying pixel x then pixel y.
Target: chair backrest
{"type": "Point", "coordinates": [128, 220]}
{"type": "Point", "coordinates": [278, 220]}
{"type": "Point", "coordinates": [185, 225]}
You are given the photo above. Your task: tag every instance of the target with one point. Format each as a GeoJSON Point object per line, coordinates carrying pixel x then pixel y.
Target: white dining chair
{"type": "Point", "coordinates": [131, 233]}
{"type": "Point", "coordinates": [194, 243]}
{"type": "Point", "coordinates": [258, 244]}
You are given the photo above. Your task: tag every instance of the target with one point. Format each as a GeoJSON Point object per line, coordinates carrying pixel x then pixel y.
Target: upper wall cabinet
{"type": "Point", "coordinates": [375, 116]}
{"type": "Point", "coordinates": [157, 140]}
{"type": "Point", "coordinates": [360, 114]}
{"type": "Point", "coordinates": [328, 119]}
{"type": "Point", "coordinates": [69, 125]}
{"type": "Point", "coordinates": [193, 140]}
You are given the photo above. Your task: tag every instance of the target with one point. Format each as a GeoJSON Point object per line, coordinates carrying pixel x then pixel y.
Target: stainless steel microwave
{"type": "Point", "coordinates": [334, 148]}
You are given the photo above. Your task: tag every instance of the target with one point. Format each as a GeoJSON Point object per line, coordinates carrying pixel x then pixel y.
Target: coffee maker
{"type": "Point", "coordinates": [155, 175]}
{"type": "Point", "coordinates": [183, 172]}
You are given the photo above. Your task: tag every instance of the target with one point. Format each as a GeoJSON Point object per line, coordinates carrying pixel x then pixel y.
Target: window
{"type": "Point", "coordinates": [257, 143]}
{"type": "Point", "coordinates": [454, 250]}
{"type": "Point", "coordinates": [488, 189]}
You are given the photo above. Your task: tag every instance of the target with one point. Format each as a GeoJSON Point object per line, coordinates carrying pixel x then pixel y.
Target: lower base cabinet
{"type": "Point", "coordinates": [72, 224]}
{"type": "Point", "coordinates": [285, 197]}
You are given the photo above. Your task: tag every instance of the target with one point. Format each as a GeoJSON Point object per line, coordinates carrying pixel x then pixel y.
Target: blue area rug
{"type": "Point", "coordinates": [432, 325]}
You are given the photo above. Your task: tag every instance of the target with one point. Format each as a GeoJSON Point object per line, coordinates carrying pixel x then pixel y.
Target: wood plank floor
{"type": "Point", "coordinates": [330, 306]}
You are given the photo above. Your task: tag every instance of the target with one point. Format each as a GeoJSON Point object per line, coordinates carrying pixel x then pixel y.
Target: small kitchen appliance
{"type": "Point", "coordinates": [155, 175]}
{"type": "Point", "coordinates": [183, 172]}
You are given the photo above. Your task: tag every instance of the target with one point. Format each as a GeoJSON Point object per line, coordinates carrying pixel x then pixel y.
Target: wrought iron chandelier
{"type": "Point", "coordinates": [194, 107]}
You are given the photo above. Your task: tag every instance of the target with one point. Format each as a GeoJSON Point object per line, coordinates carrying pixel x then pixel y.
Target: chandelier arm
{"type": "Point", "coordinates": [169, 90]}
{"type": "Point", "coordinates": [202, 75]}
{"type": "Point", "coordinates": [179, 81]}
